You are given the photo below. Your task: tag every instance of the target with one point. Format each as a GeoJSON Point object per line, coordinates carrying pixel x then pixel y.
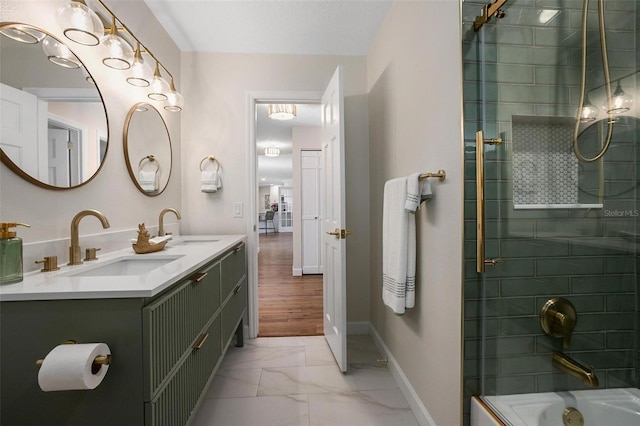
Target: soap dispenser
{"type": "Point", "coordinates": [10, 253]}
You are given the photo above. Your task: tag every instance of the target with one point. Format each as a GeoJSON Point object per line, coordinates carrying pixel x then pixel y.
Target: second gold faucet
{"type": "Point", "coordinates": [75, 257]}
{"type": "Point", "coordinates": [161, 219]}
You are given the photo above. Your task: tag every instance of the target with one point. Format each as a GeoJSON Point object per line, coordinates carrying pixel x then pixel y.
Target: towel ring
{"type": "Point", "coordinates": [151, 159]}
{"type": "Point", "coordinates": [212, 159]}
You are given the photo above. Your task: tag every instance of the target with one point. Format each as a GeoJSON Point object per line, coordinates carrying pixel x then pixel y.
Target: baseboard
{"type": "Point", "coordinates": [297, 272]}
{"type": "Point", "coordinates": [358, 328]}
{"type": "Point", "coordinates": [418, 408]}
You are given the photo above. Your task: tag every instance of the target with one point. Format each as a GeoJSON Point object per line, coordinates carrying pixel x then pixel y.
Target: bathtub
{"type": "Point", "coordinates": [610, 407]}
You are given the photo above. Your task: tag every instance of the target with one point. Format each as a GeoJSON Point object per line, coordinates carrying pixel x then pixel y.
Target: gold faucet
{"type": "Point", "coordinates": [575, 369]}
{"type": "Point", "coordinates": [161, 219]}
{"type": "Point", "coordinates": [75, 257]}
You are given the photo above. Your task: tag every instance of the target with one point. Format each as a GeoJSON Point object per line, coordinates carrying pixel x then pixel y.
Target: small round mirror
{"type": "Point", "coordinates": [54, 124]}
{"type": "Point", "coordinates": [147, 149]}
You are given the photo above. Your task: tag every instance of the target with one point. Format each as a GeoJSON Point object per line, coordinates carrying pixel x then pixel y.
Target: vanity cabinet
{"type": "Point", "coordinates": [165, 349]}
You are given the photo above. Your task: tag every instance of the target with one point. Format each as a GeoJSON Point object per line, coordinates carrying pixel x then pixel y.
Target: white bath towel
{"type": "Point", "coordinates": [148, 180]}
{"type": "Point", "coordinates": [398, 248]}
{"type": "Point", "coordinates": [210, 181]}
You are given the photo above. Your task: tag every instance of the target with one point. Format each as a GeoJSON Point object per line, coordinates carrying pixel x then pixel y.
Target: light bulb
{"type": "Point", "coordinates": [620, 102]}
{"type": "Point", "coordinates": [175, 99]}
{"type": "Point", "coordinates": [159, 86]}
{"type": "Point", "coordinates": [23, 34]}
{"type": "Point", "coordinates": [589, 112]}
{"type": "Point", "coordinates": [80, 24]}
{"type": "Point", "coordinates": [119, 52]}
{"type": "Point", "coordinates": [140, 71]}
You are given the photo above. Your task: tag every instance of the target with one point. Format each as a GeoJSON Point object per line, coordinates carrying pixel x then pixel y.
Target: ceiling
{"type": "Point", "coordinates": [298, 27]}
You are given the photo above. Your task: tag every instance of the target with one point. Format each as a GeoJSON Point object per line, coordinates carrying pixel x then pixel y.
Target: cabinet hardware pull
{"type": "Point", "coordinates": [238, 248]}
{"type": "Point", "coordinates": [197, 277]}
{"type": "Point", "coordinates": [198, 344]}
{"type": "Point", "coordinates": [237, 289]}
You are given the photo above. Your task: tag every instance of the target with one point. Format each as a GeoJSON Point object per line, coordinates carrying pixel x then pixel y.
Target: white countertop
{"type": "Point", "coordinates": [61, 284]}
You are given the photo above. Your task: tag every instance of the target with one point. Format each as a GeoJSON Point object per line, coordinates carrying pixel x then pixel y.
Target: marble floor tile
{"type": "Point", "coordinates": [319, 355]}
{"type": "Point", "coordinates": [234, 382]}
{"type": "Point", "coordinates": [261, 411]}
{"type": "Point", "coordinates": [302, 380]}
{"type": "Point", "coordinates": [295, 381]}
{"type": "Point", "coordinates": [363, 408]}
{"type": "Point", "coordinates": [264, 356]}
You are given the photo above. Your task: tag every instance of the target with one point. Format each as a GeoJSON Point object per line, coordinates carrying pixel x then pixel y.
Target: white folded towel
{"type": "Point", "coordinates": [148, 180]}
{"type": "Point", "coordinates": [210, 181]}
{"type": "Point", "coordinates": [396, 229]}
{"type": "Point", "coordinates": [417, 191]}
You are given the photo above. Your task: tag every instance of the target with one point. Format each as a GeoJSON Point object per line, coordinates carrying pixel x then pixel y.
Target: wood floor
{"type": "Point", "coordinates": [288, 305]}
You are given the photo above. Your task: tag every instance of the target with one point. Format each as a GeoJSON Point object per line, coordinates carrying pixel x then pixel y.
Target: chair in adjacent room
{"type": "Point", "coordinates": [268, 217]}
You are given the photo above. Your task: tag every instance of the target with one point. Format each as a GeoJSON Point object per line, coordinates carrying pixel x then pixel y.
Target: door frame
{"type": "Point", "coordinates": [254, 98]}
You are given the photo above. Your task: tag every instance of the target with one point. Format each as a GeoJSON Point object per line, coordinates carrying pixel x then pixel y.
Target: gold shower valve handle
{"type": "Point", "coordinates": [558, 318]}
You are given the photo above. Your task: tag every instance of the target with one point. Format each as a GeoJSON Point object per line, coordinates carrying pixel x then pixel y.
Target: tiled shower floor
{"type": "Point", "coordinates": [281, 381]}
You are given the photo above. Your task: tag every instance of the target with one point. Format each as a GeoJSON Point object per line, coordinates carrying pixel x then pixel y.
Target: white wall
{"type": "Point", "coordinates": [414, 79]}
{"type": "Point", "coordinates": [304, 138]}
{"type": "Point", "coordinates": [112, 192]}
{"type": "Point", "coordinates": [216, 86]}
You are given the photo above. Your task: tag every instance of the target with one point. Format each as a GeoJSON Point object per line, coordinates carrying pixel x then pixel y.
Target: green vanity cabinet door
{"type": "Point", "coordinates": [234, 267]}
{"type": "Point", "coordinates": [233, 310]}
{"type": "Point", "coordinates": [176, 401]}
{"type": "Point", "coordinates": [173, 322]}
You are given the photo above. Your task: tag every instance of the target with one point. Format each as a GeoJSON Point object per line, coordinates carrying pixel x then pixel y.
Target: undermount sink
{"type": "Point", "coordinates": [188, 242]}
{"type": "Point", "coordinates": [129, 265]}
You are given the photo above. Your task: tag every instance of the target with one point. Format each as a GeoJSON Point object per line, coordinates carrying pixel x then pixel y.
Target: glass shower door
{"type": "Point", "coordinates": [554, 227]}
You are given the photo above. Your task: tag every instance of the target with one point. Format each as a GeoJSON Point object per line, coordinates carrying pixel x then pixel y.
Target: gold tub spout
{"type": "Point", "coordinates": [161, 219]}
{"type": "Point", "coordinates": [575, 369]}
{"type": "Point", "coordinates": [75, 257]}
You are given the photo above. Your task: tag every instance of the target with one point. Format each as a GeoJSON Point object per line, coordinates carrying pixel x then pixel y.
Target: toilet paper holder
{"type": "Point", "coordinates": [99, 361]}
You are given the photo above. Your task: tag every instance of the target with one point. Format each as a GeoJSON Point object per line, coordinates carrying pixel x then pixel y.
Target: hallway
{"type": "Point", "coordinates": [288, 305]}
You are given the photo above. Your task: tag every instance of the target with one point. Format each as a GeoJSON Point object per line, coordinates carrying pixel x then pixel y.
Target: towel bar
{"type": "Point", "coordinates": [441, 175]}
{"type": "Point", "coordinates": [151, 159]}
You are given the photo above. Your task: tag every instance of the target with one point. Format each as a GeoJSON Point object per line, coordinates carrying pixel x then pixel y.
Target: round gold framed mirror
{"type": "Point", "coordinates": [55, 129]}
{"type": "Point", "coordinates": [147, 149]}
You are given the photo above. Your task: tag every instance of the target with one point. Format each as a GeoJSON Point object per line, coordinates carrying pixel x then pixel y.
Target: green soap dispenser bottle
{"type": "Point", "coordinates": [10, 253]}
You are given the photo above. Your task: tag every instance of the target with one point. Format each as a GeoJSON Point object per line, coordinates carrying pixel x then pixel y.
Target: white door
{"type": "Point", "coordinates": [59, 157]}
{"type": "Point", "coordinates": [285, 209]}
{"type": "Point", "coordinates": [333, 220]}
{"type": "Point", "coordinates": [310, 165]}
{"type": "Point", "coordinates": [19, 137]}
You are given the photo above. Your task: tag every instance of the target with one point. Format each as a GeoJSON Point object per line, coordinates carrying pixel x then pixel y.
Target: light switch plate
{"type": "Point", "coordinates": [237, 209]}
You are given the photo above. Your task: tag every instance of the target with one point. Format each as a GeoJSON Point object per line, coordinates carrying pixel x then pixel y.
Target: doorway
{"type": "Point", "coordinates": [289, 302]}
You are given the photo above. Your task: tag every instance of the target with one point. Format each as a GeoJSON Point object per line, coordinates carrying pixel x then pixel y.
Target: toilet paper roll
{"type": "Point", "coordinates": [68, 367]}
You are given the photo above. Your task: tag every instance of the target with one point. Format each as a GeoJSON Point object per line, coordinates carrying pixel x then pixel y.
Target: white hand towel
{"type": "Point", "coordinates": [417, 191]}
{"type": "Point", "coordinates": [398, 248]}
{"type": "Point", "coordinates": [209, 181]}
{"type": "Point", "coordinates": [148, 180]}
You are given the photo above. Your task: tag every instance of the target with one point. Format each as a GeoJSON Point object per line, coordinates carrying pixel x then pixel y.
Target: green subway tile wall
{"type": "Point", "coordinates": [587, 255]}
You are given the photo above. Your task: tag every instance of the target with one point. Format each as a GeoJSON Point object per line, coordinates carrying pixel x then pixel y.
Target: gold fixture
{"type": "Point", "coordinates": [159, 86]}
{"type": "Point", "coordinates": [572, 416]}
{"type": "Point", "coordinates": [59, 54]}
{"type": "Point", "coordinates": [90, 254]}
{"type": "Point", "coordinates": [212, 159]}
{"type": "Point", "coordinates": [282, 111]}
{"type": "Point", "coordinates": [197, 277]}
{"type": "Point", "coordinates": [161, 219]}
{"type": "Point", "coordinates": [198, 343]}
{"type": "Point", "coordinates": [558, 318]}
{"type": "Point", "coordinates": [98, 361]}
{"type": "Point", "coordinates": [50, 263]}
{"type": "Point", "coordinates": [142, 244]}
{"type": "Point", "coordinates": [489, 10]}
{"type": "Point", "coordinates": [572, 367]}
{"type": "Point", "coordinates": [481, 262]}
{"type": "Point", "coordinates": [441, 175]}
{"type": "Point", "coordinates": [128, 58]}
{"type": "Point", "coordinates": [5, 226]}
{"type": "Point", "coordinates": [74, 249]}
{"type": "Point", "coordinates": [22, 33]}
{"type": "Point", "coordinates": [340, 233]}
{"type": "Point", "coordinates": [272, 151]}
